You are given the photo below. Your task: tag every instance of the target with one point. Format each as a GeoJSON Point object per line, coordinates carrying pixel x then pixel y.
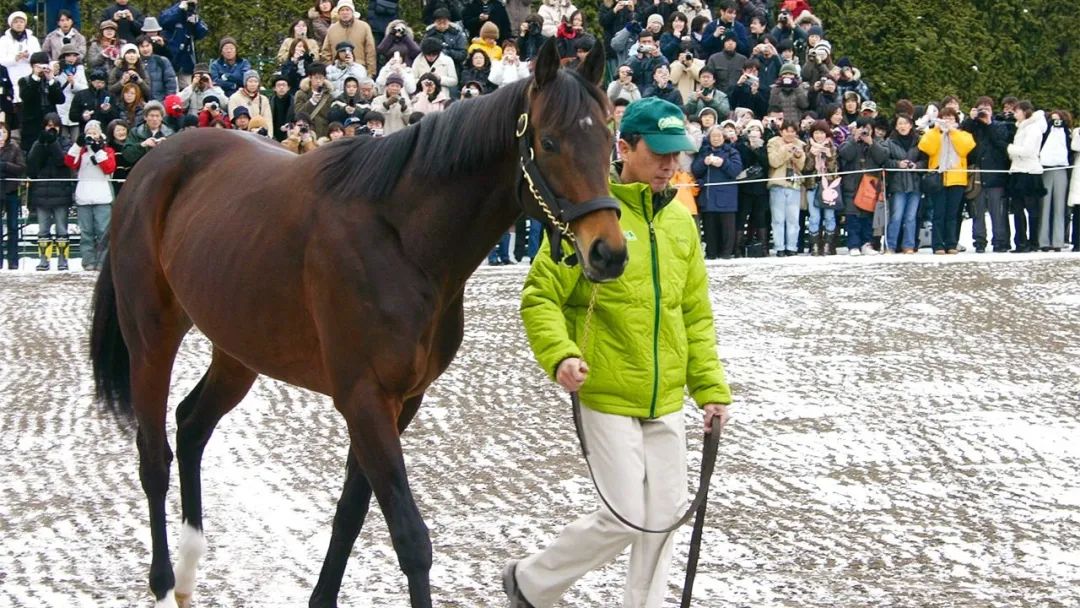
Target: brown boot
{"type": "Point", "coordinates": [818, 246]}
{"type": "Point", "coordinates": [830, 243]}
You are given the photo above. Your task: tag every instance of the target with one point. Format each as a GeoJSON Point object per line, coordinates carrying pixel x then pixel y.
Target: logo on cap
{"type": "Point", "coordinates": [670, 122]}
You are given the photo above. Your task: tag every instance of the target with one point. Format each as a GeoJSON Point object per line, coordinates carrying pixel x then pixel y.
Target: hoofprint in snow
{"type": "Point", "coordinates": [904, 434]}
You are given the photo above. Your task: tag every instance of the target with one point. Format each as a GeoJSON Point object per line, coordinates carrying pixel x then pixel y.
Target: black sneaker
{"type": "Point", "coordinates": [980, 249]}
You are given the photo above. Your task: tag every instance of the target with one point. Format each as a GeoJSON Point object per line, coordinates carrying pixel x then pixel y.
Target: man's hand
{"type": "Point", "coordinates": [713, 410]}
{"type": "Point", "coordinates": [571, 374]}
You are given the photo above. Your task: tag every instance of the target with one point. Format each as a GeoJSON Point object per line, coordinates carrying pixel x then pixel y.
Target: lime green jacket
{"type": "Point", "coordinates": [652, 331]}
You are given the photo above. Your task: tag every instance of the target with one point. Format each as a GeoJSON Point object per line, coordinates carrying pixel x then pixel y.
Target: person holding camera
{"type": "Point", "coordinates": [250, 97]}
{"type": "Point", "coordinates": [511, 68]}
{"type": "Point", "coordinates": [281, 105]}
{"type": "Point", "coordinates": [212, 111]}
{"type": "Point", "coordinates": [623, 87]}
{"type": "Point", "coordinates": [646, 58]}
{"type": "Point", "coordinates": [354, 30]}
{"type": "Point", "coordinates": [747, 91]}
{"type": "Point", "coordinates": [129, 70]}
{"type": "Point", "coordinates": [430, 97]}
{"type": "Point", "coordinates": [662, 86]}
{"type": "Point", "coordinates": [399, 40]}
{"type": "Point", "coordinates": [94, 102]}
{"type": "Point", "coordinates": [41, 93]}
{"type": "Point", "coordinates": [706, 96]}
{"type": "Point", "coordinates": [432, 60]}
{"type": "Point", "coordinates": [555, 13]}
{"type": "Point", "coordinates": [201, 87]}
{"type": "Point", "coordinates": [349, 103]}
{"type": "Point", "coordinates": [530, 37]}
{"type": "Point", "coordinates": [297, 31]}
{"type": "Point", "coordinates": [344, 66]}
{"type": "Point", "coordinates": [72, 78]}
{"type": "Point", "coordinates": [393, 104]}
{"type": "Point", "coordinates": [675, 38]}
{"type": "Point", "coordinates": [789, 94]}
{"type": "Point", "coordinates": [94, 161]}
{"type": "Point", "coordinates": [727, 64]}
{"type": "Point", "coordinates": [992, 138]}
{"type": "Point", "coordinates": [451, 38]}
{"type": "Point", "coordinates": [182, 27]}
{"type": "Point", "coordinates": [128, 19]}
{"type": "Point", "coordinates": [50, 197]}
{"type": "Point", "coordinates": [714, 37]}
{"type": "Point", "coordinates": [16, 47]}
{"type": "Point", "coordinates": [12, 170]}
{"type": "Point", "coordinates": [478, 71]}
{"type": "Point", "coordinates": [64, 34]}
{"type": "Point", "coordinates": [787, 161]}
{"type": "Point", "coordinates": [948, 148]}
{"type": "Point", "coordinates": [860, 155]}
{"type": "Point", "coordinates": [716, 166]}
{"type": "Point", "coordinates": [299, 136]}
{"type": "Point", "coordinates": [159, 71]}
{"type": "Point", "coordinates": [104, 48]}
{"type": "Point", "coordinates": [314, 99]}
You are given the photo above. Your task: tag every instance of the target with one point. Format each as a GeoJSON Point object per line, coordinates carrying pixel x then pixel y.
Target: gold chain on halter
{"type": "Point", "coordinates": [585, 330]}
{"type": "Point", "coordinates": [563, 227]}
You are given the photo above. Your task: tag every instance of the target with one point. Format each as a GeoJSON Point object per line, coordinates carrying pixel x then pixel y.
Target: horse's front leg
{"type": "Point", "coordinates": [373, 419]}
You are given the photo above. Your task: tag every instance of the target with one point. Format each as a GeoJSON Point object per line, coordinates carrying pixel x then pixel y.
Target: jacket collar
{"type": "Point", "coordinates": [633, 194]}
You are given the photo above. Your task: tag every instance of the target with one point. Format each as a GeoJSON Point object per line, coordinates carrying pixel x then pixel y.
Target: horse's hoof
{"type": "Point", "coordinates": [183, 600]}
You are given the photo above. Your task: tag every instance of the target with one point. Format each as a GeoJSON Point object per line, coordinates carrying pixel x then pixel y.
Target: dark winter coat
{"type": "Point", "coordinates": [453, 41]}
{"type": "Point", "coordinates": [12, 166]}
{"type": "Point", "coordinates": [229, 76]}
{"type": "Point", "coordinates": [379, 15]}
{"type": "Point", "coordinates": [126, 30]}
{"type": "Point", "coordinates": [123, 166]}
{"type": "Point", "coordinates": [38, 99]}
{"type": "Point", "coordinates": [718, 199]}
{"type": "Point", "coordinates": [7, 99]}
{"type": "Point", "coordinates": [739, 96]}
{"type": "Point", "coordinates": [161, 75]}
{"type": "Point", "coordinates": [713, 41]}
{"type": "Point", "coordinates": [116, 83]}
{"type": "Point", "coordinates": [281, 109]}
{"type": "Point", "coordinates": [903, 181]}
{"type": "Point", "coordinates": [669, 93]}
{"type": "Point", "coordinates": [181, 35]}
{"type": "Point", "coordinates": [46, 160]}
{"type": "Point", "coordinates": [792, 100]}
{"type": "Point", "coordinates": [728, 68]}
{"type": "Point", "coordinates": [855, 155]}
{"type": "Point", "coordinates": [751, 158]}
{"type": "Point", "coordinates": [496, 12]}
{"type": "Point", "coordinates": [613, 21]}
{"type": "Point", "coordinates": [91, 99]}
{"type": "Point", "coordinates": [991, 149]}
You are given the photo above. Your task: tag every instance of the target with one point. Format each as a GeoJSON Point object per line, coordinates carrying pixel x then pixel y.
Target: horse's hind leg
{"type": "Point", "coordinates": [220, 389]}
{"type": "Point", "coordinates": [348, 520]}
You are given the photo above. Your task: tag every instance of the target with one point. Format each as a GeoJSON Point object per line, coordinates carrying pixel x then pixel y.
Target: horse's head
{"type": "Point", "coordinates": [566, 138]}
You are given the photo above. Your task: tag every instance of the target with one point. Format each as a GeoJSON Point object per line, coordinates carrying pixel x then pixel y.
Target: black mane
{"type": "Point", "coordinates": [465, 139]}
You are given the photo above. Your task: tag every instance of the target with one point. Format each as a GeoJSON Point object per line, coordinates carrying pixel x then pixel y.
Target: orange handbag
{"type": "Point", "coordinates": [871, 191]}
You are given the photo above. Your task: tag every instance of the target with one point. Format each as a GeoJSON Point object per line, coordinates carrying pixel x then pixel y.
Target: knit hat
{"type": "Point", "coordinates": [868, 106]}
{"type": "Point", "coordinates": [785, 45]}
{"type": "Point", "coordinates": [241, 111]}
{"type": "Point", "coordinates": [201, 68]}
{"type": "Point", "coordinates": [789, 69]}
{"type": "Point", "coordinates": [656, 18]}
{"type": "Point", "coordinates": [395, 78]}
{"type": "Point", "coordinates": [248, 75]}
{"type": "Point", "coordinates": [128, 48]}
{"type": "Point", "coordinates": [824, 45]}
{"type": "Point", "coordinates": [13, 16]}
{"type": "Point", "coordinates": [92, 124]}
{"type": "Point", "coordinates": [707, 110]}
{"type": "Point", "coordinates": [211, 99]}
{"type": "Point", "coordinates": [227, 40]}
{"type": "Point", "coordinates": [104, 25]}
{"type": "Point", "coordinates": [430, 46]}
{"type": "Point", "coordinates": [150, 25]}
{"type": "Point", "coordinates": [98, 74]}
{"type": "Point", "coordinates": [189, 121]}
{"type": "Point", "coordinates": [816, 30]}
{"type": "Point", "coordinates": [316, 68]}
{"type": "Point", "coordinates": [153, 105]}
{"type": "Point", "coordinates": [728, 123]}
{"type": "Point", "coordinates": [343, 4]}
{"type": "Point", "coordinates": [843, 63]}
{"type": "Point", "coordinates": [39, 58]}
{"type": "Point", "coordinates": [754, 124]}
{"type": "Point", "coordinates": [69, 49]}
{"type": "Point", "coordinates": [489, 31]}
{"type": "Point", "coordinates": [257, 122]}
{"type": "Point", "coordinates": [344, 44]}
{"type": "Point", "coordinates": [173, 106]}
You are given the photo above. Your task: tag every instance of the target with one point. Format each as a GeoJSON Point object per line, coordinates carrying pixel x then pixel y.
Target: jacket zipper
{"type": "Point", "coordinates": [656, 312]}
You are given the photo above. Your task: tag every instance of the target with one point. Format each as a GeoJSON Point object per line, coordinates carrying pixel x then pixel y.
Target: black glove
{"type": "Point", "coordinates": [96, 145]}
{"type": "Point", "coordinates": [80, 140]}
{"type": "Point", "coordinates": [48, 136]}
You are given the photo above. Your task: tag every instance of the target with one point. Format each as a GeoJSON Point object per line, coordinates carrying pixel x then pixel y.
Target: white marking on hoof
{"type": "Point", "coordinates": [192, 547]}
{"type": "Point", "coordinates": [169, 601]}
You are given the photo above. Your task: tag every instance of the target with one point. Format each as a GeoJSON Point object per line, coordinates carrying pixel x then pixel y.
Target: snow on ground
{"type": "Point", "coordinates": [904, 435]}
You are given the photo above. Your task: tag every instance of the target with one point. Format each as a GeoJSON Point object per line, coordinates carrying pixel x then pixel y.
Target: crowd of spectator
{"type": "Point", "coordinates": [795, 155]}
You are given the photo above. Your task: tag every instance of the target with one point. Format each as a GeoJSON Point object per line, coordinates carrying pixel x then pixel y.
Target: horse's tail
{"type": "Point", "coordinates": [108, 351]}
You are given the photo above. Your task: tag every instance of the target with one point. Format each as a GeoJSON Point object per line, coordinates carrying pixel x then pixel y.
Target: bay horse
{"type": "Point", "coordinates": [341, 271]}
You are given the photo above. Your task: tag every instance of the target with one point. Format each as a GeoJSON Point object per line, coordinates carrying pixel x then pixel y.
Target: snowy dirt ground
{"type": "Point", "coordinates": [905, 433]}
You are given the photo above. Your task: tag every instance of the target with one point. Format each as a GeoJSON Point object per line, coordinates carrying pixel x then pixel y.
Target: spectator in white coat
{"type": "Point", "coordinates": [555, 12]}
{"type": "Point", "coordinates": [94, 161]}
{"type": "Point", "coordinates": [396, 67]}
{"type": "Point", "coordinates": [433, 59]}
{"type": "Point", "coordinates": [16, 46]}
{"type": "Point", "coordinates": [72, 79]}
{"type": "Point", "coordinates": [510, 68]}
{"type": "Point", "coordinates": [344, 66]}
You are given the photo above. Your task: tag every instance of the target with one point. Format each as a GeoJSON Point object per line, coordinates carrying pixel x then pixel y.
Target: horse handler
{"type": "Point", "coordinates": [651, 334]}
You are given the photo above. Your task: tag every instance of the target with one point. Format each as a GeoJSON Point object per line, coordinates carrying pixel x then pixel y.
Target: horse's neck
{"type": "Point", "coordinates": [478, 210]}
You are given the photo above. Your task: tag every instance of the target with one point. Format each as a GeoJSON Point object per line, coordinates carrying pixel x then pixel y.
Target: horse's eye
{"type": "Point", "coordinates": [548, 144]}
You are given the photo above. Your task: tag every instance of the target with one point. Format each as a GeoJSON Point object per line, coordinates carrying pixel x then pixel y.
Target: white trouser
{"type": "Point", "coordinates": [640, 465]}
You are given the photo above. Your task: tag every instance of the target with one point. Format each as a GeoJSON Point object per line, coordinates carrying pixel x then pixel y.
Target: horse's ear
{"type": "Point", "coordinates": [593, 66]}
{"type": "Point", "coordinates": [547, 64]}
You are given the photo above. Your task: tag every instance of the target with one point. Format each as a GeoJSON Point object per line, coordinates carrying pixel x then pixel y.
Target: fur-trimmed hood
{"type": "Point", "coordinates": [390, 26]}
{"type": "Point", "coordinates": [808, 17]}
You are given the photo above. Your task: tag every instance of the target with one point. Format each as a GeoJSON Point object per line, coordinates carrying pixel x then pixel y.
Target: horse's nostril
{"type": "Point", "coordinates": [603, 257]}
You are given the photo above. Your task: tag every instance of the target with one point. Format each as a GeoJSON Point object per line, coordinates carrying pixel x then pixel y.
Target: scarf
{"type": "Point", "coordinates": [948, 158]}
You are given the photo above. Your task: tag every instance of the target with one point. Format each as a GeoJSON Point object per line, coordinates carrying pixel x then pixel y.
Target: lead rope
{"type": "Point", "coordinates": [697, 507]}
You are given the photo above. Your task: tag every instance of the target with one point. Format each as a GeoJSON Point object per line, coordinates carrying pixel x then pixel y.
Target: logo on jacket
{"type": "Point", "coordinates": [630, 236]}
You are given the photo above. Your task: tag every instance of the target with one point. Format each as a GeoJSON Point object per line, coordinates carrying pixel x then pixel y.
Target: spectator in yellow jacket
{"type": "Point", "coordinates": [948, 148]}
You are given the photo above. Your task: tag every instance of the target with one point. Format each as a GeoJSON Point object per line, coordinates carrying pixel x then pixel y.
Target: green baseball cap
{"type": "Point", "coordinates": [660, 123]}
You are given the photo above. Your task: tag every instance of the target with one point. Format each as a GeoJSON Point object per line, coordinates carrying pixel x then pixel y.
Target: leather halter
{"type": "Point", "coordinates": [556, 212]}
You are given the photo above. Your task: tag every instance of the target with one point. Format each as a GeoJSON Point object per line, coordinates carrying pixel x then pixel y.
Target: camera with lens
{"type": "Point", "coordinates": [66, 39]}
{"type": "Point", "coordinates": [213, 105]}
{"type": "Point", "coordinates": [134, 78]}
{"type": "Point", "coordinates": [399, 30]}
{"type": "Point", "coordinates": [192, 7]}
{"type": "Point", "coordinates": [303, 129]}
{"type": "Point", "coordinates": [534, 29]}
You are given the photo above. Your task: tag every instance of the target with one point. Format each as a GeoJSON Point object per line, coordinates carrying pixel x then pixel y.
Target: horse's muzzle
{"type": "Point", "coordinates": [604, 262]}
